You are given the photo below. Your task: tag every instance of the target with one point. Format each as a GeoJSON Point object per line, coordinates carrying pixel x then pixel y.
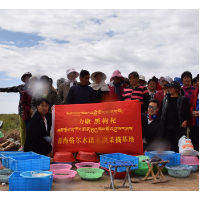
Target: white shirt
{"type": "Point", "coordinates": [45, 123]}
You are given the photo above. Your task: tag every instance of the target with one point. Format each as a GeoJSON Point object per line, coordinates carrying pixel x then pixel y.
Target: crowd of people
{"type": "Point", "coordinates": [169, 108]}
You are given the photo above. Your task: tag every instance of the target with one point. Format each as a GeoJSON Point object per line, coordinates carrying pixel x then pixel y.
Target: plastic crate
{"type": "Point", "coordinates": [29, 163]}
{"type": "Point", "coordinates": [118, 157]}
{"type": "Point", "coordinates": [174, 159]}
{"type": "Point", "coordinates": [6, 157]}
{"type": "Point", "coordinates": [18, 183]}
{"type": "Point", "coordinates": [5, 152]}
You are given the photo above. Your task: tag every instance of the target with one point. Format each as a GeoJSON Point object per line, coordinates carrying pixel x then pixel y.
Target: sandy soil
{"type": "Point", "coordinates": [190, 183]}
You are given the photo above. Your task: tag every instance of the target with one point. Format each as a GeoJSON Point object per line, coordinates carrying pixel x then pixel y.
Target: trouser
{"type": "Point", "coordinates": [27, 122]}
{"type": "Point", "coordinates": [22, 130]}
{"type": "Point", "coordinates": [194, 136]}
{"type": "Point", "coordinates": [172, 137]}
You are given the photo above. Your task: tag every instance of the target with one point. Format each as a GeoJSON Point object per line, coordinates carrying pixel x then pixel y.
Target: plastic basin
{"type": "Point", "coordinates": [189, 160]}
{"type": "Point", "coordinates": [179, 170]}
{"type": "Point", "coordinates": [60, 166]}
{"type": "Point", "coordinates": [91, 174]}
{"type": "Point", "coordinates": [36, 174]}
{"type": "Point", "coordinates": [142, 166]}
{"type": "Point", "coordinates": [63, 175]}
{"type": "Point", "coordinates": [87, 164]}
{"type": "Point", "coordinates": [194, 168]}
{"type": "Point", "coordinates": [4, 173]}
{"type": "Point", "coordinates": [162, 152]}
{"type": "Point", "coordinates": [63, 157]}
{"type": "Point", "coordinates": [87, 157]}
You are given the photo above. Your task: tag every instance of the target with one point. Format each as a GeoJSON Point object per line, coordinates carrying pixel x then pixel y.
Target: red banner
{"type": "Point", "coordinates": [104, 127]}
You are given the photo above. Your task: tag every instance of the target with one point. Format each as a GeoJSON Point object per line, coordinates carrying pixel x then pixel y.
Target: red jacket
{"type": "Point", "coordinates": [113, 96]}
{"type": "Point", "coordinates": [26, 105]}
{"type": "Point", "coordinates": [158, 86]}
{"type": "Point", "coordinates": [193, 106]}
{"type": "Point", "coordinates": [159, 96]}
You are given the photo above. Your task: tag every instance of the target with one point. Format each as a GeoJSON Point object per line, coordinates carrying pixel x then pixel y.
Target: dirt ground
{"type": "Point", "coordinates": [190, 183]}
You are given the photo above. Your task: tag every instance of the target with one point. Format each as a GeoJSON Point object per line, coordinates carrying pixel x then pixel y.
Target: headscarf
{"type": "Point", "coordinates": [96, 86]}
{"type": "Point", "coordinates": [69, 80]}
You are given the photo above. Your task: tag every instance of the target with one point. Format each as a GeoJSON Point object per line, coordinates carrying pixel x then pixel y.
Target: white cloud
{"type": "Point", "coordinates": [152, 42]}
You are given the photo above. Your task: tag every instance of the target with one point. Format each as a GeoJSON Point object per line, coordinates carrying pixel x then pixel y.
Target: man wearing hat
{"type": "Point", "coordinates": [174, 112]}
{"type": "Point", "coordinates": [20, 88]}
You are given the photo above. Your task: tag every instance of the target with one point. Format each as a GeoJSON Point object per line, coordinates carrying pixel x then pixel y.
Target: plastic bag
{"type": "Point", "coordinates": [185, 146]}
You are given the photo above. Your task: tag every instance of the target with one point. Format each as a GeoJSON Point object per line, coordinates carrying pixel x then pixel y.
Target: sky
{"type": "Point", "coordinates": [160, 42]}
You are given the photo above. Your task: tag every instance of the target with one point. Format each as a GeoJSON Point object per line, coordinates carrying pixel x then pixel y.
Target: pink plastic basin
{"type": "Point", "coordinates": [63, 178]}
{"type": "Point", "coordinates": [83, 164]}
{"type": "Point", "coordinates": [189, 160]}
{"type": "Point", "coordinates": [59, 166]}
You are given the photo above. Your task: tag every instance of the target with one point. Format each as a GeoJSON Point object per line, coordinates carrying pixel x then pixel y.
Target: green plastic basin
{"type": "Point", "coordinates": [90, 173]}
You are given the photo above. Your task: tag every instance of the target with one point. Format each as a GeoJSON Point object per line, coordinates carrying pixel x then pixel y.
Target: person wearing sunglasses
{"type": "Point", "coordinates": [152, 127]}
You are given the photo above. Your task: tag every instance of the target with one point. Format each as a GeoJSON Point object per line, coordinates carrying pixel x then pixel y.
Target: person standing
{"type": "Point", "coordinates": [101, 89]}
{"type": "Point", "coordinates": [194, 121]}
{"type": "Point", "coordinates": [195, 81]}
{"type": "Point", "coordinates": [81, 93]}
{"type": "Point", "coordinates": [116, 86]}
{"type": "Point", "coordinates": [45, 91]}
{"type": "Point", "coordinates": [60, 81]}
{"type": "Point", "coordinates": [187, 88]}
{"type": "Point", "coordinates": [63, 90]}
{"type": "Point", "coordinates": [161, 93]}
{"type": "Point", "coordinates": [174, 112]}
{"type": "Point", "coordinates": [152, 127]}
{"type": "Point", "coordinates": [142, 80]}
{"type": "Point", "coordinates": [135, 91]}
{"type": "Point", "coordinates": [151, 88]}
{"type": "Point", "coordinates": [21, 88]}
{"type": "Point", "coordinates": [26, 103]}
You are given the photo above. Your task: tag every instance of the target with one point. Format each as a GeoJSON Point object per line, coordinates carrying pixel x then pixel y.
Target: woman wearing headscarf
{"type": "Point", "coordinates": [116, 86]}
{"type": "Point", "coordinates": [45, 91]}
{"type": "Point", "coordinates": [63, 90]}
{"type": "Point", "coordinates": [100, 88]}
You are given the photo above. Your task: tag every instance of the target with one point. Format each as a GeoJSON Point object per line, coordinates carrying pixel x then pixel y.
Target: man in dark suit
{"type": "Point", "coordinates": [38, 134]}
{"type": "Point", "coordinates": [152, 127]}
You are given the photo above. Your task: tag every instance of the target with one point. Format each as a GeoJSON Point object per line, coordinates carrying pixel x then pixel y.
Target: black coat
{"type": "Point", "coordinates": [152, 132]}
{"type": "Point", "coordinates": [183, 108]}
{"type": "Point", "coordinates": [35, 135]}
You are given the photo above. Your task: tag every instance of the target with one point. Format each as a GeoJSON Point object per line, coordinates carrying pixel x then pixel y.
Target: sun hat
{"type": "Point", "coordinates": [116, 73]}
{"type": "Point", "coordinates": [104, 77]}
{"type": "Point", "coordinates": [68, 71]}
{"type": "Point", "coordinates": [174, 84]}
{"type": "Point", "coordinates": [23, 76]}
{"type": "Point", "coordinates": [166, 78]}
